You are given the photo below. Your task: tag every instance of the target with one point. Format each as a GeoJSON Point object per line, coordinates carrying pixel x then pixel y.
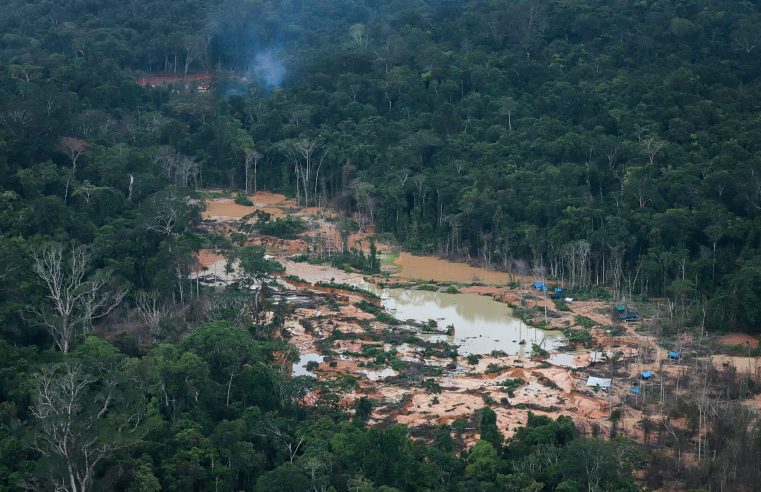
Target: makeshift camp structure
{"type": "Point", "coordinates": [557, 293]}
{"type": "Point", "coordinates": [675, 355]}
{"type": "Point", "coordinates": [626, 315]}
{"type": "Point", "coordinates": [646, 375]}
{"type": "Point", "coordinates": [540, 286]}
{"type": "Point", "coordinates": [603, 383]}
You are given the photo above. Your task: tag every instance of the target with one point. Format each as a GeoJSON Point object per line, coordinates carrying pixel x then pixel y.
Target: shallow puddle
{"type": "Point", "coordinates": [373, 375]}
{"type": "Point", "coordinates": [300, 367]}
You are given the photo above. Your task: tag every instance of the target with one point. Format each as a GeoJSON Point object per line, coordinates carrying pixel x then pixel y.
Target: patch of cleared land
{"type": "Point", "coordinates": [427, 385]}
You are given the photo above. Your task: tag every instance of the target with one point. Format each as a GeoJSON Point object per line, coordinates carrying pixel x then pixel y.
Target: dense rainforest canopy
{"type": "Point", "coordinates": [599, 143]}
{"type": "Point", "coordinates": [611, 143]}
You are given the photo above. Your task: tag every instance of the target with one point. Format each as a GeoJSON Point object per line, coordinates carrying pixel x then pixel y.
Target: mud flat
{"type": "Point", "coordinates": [438, 270]}
{"type": "Point", "coordinates": [226, 208]}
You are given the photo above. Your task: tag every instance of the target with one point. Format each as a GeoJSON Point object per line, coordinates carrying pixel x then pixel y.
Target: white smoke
{"type": "Point", "coordinates": [269, 69]}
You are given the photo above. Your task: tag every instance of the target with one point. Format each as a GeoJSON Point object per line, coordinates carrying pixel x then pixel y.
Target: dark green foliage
{"type": "Point", "coordinates": [254, 265]}
{"type": "Point", "coordinates": [578, 336]}
{"type": "Point", "coordinates": [287, 227]}
{"type": "Point", "coordinates": [613, 143]}
{"type": "Point", "coordinates": [373, 263]}
{"type": "Point", "coordinates": [537, 350]}
{"type": "Point", "coordinates": [379, 313]}
{"type": "Point", "coordinates": [287, 477]}
{"type": "Point", "coordinates": [511, 385]}
{"type": "Point", "coordinates": [432, 386]}
{"type": "Point", "coordinates": [363, 407]}
{"type": "Point", "coordinates": [585, 322]}
{"type": "Point", "coordinates": [487, 427]}
{"type": "Point", "coordinates": [242, 199]}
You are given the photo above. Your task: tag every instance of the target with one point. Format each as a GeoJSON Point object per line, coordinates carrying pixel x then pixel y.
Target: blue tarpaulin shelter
{"type": "Point", "coordinates": [540, 286]}
{"type": "Point", "coordinates": [674, 355]}
{"type": "Point", "coordinates": [635, 390]}
{"type": "Point", "coordinates": [647, 374]}
{"type": "Point", "coordinates": [558, 293]}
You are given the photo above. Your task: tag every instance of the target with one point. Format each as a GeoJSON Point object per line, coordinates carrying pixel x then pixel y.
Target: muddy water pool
{"type": "Point", "coordinates": [481, 323]}
{"type": "Point", "coordinates": [430, 268]}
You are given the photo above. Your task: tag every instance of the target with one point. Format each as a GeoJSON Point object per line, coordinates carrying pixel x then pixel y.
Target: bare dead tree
{"type": "Point", "coordinates": [151, 311]}
{"type": "Point", "coordinates": [358, 34]}
{"type": "Point", "coordinates": [271, 428]}
{"type": "Point", "coordinates": [188, 171]}
{"type": "Point", "coordinates": [74, 300]}
{"type": "Point", "coordinates": [169, 213]}
{"type": "Point", "coordinates": [79, 423]}
{"type": "Point", "coordinates": [16, 121]}
{"type": "Point", "coordinates": [252, 156]}
{"type": "Point", "coordinates": [6, 267]}
{"type": "Point", "coordinates": [166, 157]}
{"type": "Point", "coordinates": [576, 255]}
{"type": "Point", "coordinates": [73, 148]}
{"type": "Point", "coordinates": [651, 146]}
{"type": "Point", "coordinates": [99, 298]}
{"type": "Point", "coordinates": [190, 45]}
{"type": "Point", "coordinates": [747, 35]}
{"type": "Point", "coordinates": [301, 152]}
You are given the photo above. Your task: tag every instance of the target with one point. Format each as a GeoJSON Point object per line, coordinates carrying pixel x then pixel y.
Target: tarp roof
{"type": "Point", "coordinates": [601, 382]}
{"type": "Point", "coordinates": [647, 374]}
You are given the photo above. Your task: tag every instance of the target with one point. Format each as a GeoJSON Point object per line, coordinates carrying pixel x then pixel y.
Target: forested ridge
{"type": "Point", "coordinates": [595, 143]}
{"type": "Point", "coordinates": [607, 143]}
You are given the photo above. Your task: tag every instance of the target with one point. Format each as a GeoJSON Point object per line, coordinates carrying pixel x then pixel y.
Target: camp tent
{"type": "Point", "coordinates": [675, 355]}
{"type": "Point", "coordinates": [540, 286]}
{"type": "Point", "coordinates": [647, 374]}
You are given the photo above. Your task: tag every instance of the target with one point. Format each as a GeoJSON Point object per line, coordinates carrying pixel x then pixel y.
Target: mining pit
{"type": "Point", "coordinates": [409, 368]}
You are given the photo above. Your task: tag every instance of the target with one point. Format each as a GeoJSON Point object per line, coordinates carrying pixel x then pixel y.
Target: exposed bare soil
{"type": "Point", "coordinates": [434, 269]}
{"type": "Point", "coordinates": [551, 385]}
